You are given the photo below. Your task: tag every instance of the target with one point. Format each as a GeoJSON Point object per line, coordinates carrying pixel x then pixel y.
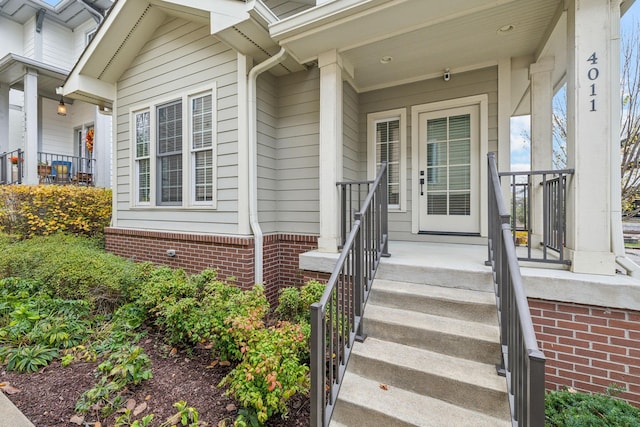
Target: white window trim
{"type": "Point", "coordinates": [372, 119]}
{"type": "Point", "coordinates": [483, 102]}
{"type": "Point", "coordinates": [191, 151]}
{"type": "Point", "coordinates": [188, 193]}
{"type": "Point", "coordinates": [135, 185]}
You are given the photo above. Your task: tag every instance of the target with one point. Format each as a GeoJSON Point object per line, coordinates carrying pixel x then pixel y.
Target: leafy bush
{"type": "Point", "coordinates": [126, 367]}
{"type": "Point", "coordinates": [70, 267]}
{"type": "Point", "coordinates": [34, 327]}
{"type": "Point", "coordinates": [295, 304]}
{"type": "Point", "coordinates": [29, 211]}
{"type": "Point", "coordinates": [270, 371]}
{"type": "Point", "coordinates": [191, 309]}
{"type": "Point", "coordinates": [569, 408]}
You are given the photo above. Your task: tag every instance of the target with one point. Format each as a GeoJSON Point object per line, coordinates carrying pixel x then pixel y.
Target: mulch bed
{"type": "Point", "coordinates": [48, 397]}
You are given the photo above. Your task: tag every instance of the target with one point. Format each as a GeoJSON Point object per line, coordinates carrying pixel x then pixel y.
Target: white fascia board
{"type": "Point", "coordinates": [317, 16]}
{"type": "Point", "coordinates": [86, 55]}
{"type": "Point", "coordinates": [78, 83]}
{"type": "Point", "coordinates": [229, 13]}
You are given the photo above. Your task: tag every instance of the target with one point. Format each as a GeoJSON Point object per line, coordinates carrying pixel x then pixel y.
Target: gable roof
{"type": "Point", "coordinates": [131, 23]}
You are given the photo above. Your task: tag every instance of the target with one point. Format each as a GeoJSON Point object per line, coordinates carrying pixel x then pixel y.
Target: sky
{"type": "Point", "coordinates": [520, 125]}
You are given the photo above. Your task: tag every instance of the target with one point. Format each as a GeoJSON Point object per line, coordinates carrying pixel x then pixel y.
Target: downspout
{"type": "Point", "coordinates": [252, 118]}
{"type": "Point", "coordinates": [97, 16]}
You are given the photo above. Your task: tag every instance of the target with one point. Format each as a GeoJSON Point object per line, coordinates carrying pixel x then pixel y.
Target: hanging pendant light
{"type": "Point", "coordinates": [62, 109]}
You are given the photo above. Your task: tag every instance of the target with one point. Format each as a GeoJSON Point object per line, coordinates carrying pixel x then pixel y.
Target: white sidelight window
{"type": "Point", "coordinates": [387, 143]}
{"type": "Point", "coordinates": [142, 156]}
{"type": "Point", "coordinates": [202, 148]}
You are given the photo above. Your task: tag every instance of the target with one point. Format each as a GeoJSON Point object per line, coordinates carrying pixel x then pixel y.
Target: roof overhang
{"type": "Point", "coordinates": [390, 42]}
{"type": "Point", "coordinates": [13, 68]}
{"type": "Point", "coordinates": [245, 27]}
{"type": "Point", "coordinates": [131, 23]}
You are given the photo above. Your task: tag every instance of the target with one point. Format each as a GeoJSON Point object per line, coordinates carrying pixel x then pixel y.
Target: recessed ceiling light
{"type": "Point", "coordinates": [505, 29]}
{"type": "Point", "coordinates": [386, 59]}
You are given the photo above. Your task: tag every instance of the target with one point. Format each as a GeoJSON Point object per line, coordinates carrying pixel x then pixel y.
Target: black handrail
{"type": "Point", "coordinates": [553, 228]}
{"type": "Point", "coordinates": [12, 167]}
{"type": "Point", "coordinates": [336, 321]}
{"type": "Point", "coordinates": [522, 361]}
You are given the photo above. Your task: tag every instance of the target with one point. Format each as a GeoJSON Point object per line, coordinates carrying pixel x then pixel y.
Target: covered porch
{"type": "Point", "coordinates": [389, 78]}
{"type": "Point", "coordinates": [49, 139]}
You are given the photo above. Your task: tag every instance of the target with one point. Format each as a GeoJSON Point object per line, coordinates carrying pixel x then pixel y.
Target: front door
{"type": "Point", "coordinates": [449, 171]}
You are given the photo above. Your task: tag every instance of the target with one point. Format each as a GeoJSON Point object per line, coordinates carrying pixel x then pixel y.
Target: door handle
{"type": "Point", "coordinates": [422, 183]}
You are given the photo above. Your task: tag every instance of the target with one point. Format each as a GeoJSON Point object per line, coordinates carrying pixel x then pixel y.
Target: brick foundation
{"type": "Point", "coordinates": [230, 256]}
{"type": "Point", "coordinates": [589, 348]}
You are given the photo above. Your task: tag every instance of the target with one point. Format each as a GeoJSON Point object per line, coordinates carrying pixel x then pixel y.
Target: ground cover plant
{"type": "Point", "coordinates": [67, 308]}
{"type": "Point", "coordinates": [570, 408]}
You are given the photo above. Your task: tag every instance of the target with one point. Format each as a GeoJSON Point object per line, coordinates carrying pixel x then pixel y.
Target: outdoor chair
{"type": "Point", "coordinates": [61, 171]}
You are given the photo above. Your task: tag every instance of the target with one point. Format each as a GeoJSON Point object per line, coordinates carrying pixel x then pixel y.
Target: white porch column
{"type": "Point", "coordinates": [30, 165]}
{"type": "Point", "coordinates": [4, 117]}
{"type": "Point", "coordinates": [541, 137]}
{"type": "Point", "coordinates": [330, 149]}
{"type": "Point", "coordinates": [592, 72]}
{"type": "Point", "coordinates": [504, 123]}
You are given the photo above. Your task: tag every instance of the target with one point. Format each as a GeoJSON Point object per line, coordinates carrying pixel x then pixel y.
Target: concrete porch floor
{"type": "Point", "coordinates": [463, 266]}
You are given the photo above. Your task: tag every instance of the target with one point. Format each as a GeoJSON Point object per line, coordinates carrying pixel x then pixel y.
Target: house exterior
{"type": "Point", "coordinates": [40, 44]}
{"type": "Point", "coordinates": [233, 122]}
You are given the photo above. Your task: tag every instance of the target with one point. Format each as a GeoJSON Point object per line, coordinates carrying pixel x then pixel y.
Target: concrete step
{"type": "Point", "coordinates": [454, 337]}
{"type": "Point", "coordinates": [363, 402]}
{"type": "Point", "coordinates": [462, 382]}
{"type": "Point", "coordinates": [460, 304]}
{"type": "Point", "coordinates": [447, 265]}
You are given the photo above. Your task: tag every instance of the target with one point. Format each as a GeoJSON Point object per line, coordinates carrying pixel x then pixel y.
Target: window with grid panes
{"type": "Point", "coordinates": [449, 165]}
{"type": "Point", "coordinates": [387, 140]}
{"type": "Point", "coordinates": [202, 147]}
{"type": "Point", "coordinates": [169, 153]}
{"type": "Point", "coordinates": [142, 156]}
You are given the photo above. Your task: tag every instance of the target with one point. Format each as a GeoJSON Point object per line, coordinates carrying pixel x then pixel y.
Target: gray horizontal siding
{"type": "Point", "coordinates": [180, 57]}
{"type": "Point", "coordinates": [351, 154]}
{"type": "Point", "coordinates": [267, 152]}
{"type": "Point", "coordinates": [298, 153]}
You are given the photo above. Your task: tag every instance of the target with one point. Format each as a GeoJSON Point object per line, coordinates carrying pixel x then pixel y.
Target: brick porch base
{"type": "Point", "coordinates": [231, 256]}
{"type": "Point", "coordinates": [588, 347]}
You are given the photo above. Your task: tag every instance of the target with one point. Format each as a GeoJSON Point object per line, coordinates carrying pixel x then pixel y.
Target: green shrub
{"type": "Point", "coordinates": [569, 408]}
{"type": "Point", "coordinates": [29, 211]}
{"type": "Point", "coordinates": [270, 371]}
{"type": "Point", "coordinates": [191, 309]}
{"type": "Point", "coordinates": [70, 267]}
{"type": "Point", "coordinates": [295, 304]}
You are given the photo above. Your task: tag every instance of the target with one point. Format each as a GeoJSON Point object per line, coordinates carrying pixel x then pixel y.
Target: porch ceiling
{"type": "Point", "coordinates": [14, 67]}
{"type": "Point", "coordinates": [423, 38]}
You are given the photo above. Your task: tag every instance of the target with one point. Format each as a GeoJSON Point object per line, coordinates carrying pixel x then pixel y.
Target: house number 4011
{"type": "Point", "coordinates": [592, 74]}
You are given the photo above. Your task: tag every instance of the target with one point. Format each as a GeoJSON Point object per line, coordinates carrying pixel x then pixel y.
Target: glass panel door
{"type": "Point", "coordinates": [449, 159]}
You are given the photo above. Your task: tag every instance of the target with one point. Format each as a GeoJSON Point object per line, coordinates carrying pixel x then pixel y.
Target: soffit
{"type": "Point", "coordinates": [423, 37]}
{"type": "Point", "coordinates": [14, 67]}
{"type": "Point", "coordinates": [69, 13]}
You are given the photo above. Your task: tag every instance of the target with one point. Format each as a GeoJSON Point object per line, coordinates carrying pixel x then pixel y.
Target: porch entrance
{"type": "Point", "coordinates": [449, 171]}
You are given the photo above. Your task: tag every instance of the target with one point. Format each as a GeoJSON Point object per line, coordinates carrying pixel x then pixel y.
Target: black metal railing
{"type": "Point", "coordinates": [522, 361]}
{"type": "Point", "coordinates": [63, 169]}
{"type": "Point", "coordinates": [12, 167]}
{"type": "Point", "coordinates": [352, 194]}
{"type": "Point", "coordinates": [553, 231]}
{"type": "Point", "coordinates": [336, 321]}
